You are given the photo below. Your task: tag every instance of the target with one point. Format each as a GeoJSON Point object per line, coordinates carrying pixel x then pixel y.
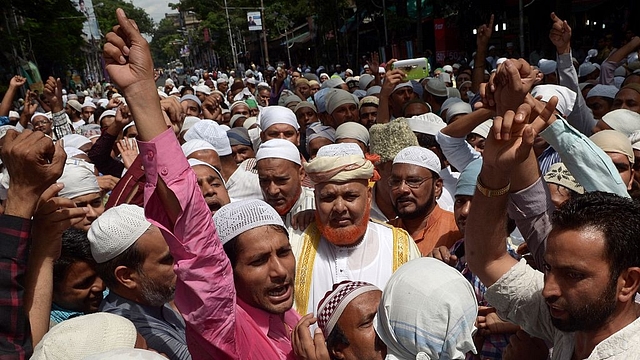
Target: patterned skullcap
{"type": "Point", "coordinates": [559, 174]}
{"type": "Point", "coordinates": [239, 216]}
{"type": "Point", "coordinates": [343, 149]}
{"type": "Point", "coordinates": [336, 300]}
{"type": "Point", "coordinates": [419, 156]}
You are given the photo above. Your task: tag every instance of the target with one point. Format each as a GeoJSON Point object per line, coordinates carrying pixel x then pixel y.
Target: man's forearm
{"type": "Point", "coordinates": [5, 106]}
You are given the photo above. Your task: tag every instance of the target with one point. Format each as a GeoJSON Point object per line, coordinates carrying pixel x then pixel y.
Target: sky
{"type": "Point", "coordinates": [155, 8]}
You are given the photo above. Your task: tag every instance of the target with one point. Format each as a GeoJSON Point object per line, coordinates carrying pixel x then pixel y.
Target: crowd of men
{"type": "Point", "coordinates": [487, 211]}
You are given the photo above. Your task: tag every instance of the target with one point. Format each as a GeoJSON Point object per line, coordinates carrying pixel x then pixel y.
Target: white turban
{"type": "Point", "coordinates": [430, 316]}
{"type": "Point", "coordinates": [353, 130]}
{"type": "Point", "coordinates": [272, 115]}
{"type": "Point", "coordinates": [279, 149]}
{"type": "Point", "coordinates": [566, 97]}
{"type": "Point", "coordinates": [339, 163]}
{"type": "Point", "coordinates": [78, 179]}
{"type": "Point", "coordinates": [419, 156]}
{"type": "Point", "coordinates": [239, 216]}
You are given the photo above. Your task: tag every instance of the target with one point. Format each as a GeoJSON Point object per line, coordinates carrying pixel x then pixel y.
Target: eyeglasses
{"type": "Point", "coordinates": [395, 183]}
{"type": "Point", "coordinates": [40, 123]}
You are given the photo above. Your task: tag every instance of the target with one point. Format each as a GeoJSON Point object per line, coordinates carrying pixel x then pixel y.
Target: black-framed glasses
{"type": "Point", "coordinates": [414, 183]}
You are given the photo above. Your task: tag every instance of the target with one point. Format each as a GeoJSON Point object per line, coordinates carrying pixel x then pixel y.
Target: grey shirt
{"type": "Point", "coordinates": [161, 327]}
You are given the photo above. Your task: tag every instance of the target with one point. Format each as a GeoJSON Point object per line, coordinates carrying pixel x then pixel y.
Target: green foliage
{"type": "Point", "coordinates": [106, 15]}
{"type": "Point", "coordinates": [163, 48]}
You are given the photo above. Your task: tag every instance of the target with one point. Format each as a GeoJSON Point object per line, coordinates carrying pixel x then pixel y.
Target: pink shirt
{"type": "Point", "coordinates": [219, 326]}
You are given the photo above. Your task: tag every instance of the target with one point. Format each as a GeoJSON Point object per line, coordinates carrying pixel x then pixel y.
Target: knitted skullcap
{"type": "Point", "coordinates": [369, 101]}
{"type": "Point", "coordinates": [113, 232]}
{"type": "Point", "coordinates": [212, 133]}
{"type": "Point", "coordinates": [386, 140]}
{"type": "Point", "coordinates": [419, 156]}
{"type": "Point", "coordinates": [336, 300]}
{"type": "Point", "coordinates": [239, 216]}
{"type": "Point", "coordinates": [606, 91]}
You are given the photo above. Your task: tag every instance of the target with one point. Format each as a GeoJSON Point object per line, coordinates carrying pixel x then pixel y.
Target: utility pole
{"type": "Point", "coordinates": [264, 33]}
{"type": "Point", "coordinates": [233, 46]}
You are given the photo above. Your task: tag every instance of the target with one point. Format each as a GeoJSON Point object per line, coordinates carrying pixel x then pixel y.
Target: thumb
{"type": "Point", "coordinates": [554, 18]}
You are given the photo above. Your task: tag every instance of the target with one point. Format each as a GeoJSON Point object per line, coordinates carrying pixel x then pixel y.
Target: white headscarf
{"type": "Point", "coordinates": [430, 316]}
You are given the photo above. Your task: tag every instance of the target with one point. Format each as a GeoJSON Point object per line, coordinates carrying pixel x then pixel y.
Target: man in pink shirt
{"type": "Point", "coordinates": [238, 309]}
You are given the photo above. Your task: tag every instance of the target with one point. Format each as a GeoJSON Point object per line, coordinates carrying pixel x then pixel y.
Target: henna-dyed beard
{"type": "Point", "coordinates": [344, 236]}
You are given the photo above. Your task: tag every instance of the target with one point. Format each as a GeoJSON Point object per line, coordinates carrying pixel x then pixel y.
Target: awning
{"type": "Point", "coordinates": [298, 39]}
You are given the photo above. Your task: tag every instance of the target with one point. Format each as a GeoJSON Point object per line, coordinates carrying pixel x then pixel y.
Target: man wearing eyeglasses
{"type": "Point", "coordinates": [415, 186]}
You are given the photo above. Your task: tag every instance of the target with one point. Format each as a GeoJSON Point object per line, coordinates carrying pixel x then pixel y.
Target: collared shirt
{"type": "Point", "coordinates": [217, 326]}
{"type": "Point", "coordinates": [15, 334]}
{"type": "Point", "coordinates": [517, 297]}
{"type": "Point", "coordinates": [161, 327]}
{"type": "Point", "coordinates": [441, 230]}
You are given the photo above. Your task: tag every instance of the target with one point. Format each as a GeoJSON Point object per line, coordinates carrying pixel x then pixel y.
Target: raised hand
{"type": "Point", "coordinates": [484, 34]}
{"type": "Point", "coordinates": [173, 113]}
{"type": "Point", "coordinates": [443, 254]}
{"type": "Point", "coordinates": [53, 93]}
{"type": "Point", "coordinates": [34, 163]}
{"type": "Point", "coordinates": [512, 82]}
{"type": "Point", "coordinates": [211, 109]}
{"type": "Point", "coordinates": [17, 81]}
{"type": "Point", "coordinates": [127, 55]}
{"type": "Point", "coordinates": [560, 34]}
{"type": "Point", "coordinates": [128, 148]}
{"type": "Point", "coordinates": [305, 347]}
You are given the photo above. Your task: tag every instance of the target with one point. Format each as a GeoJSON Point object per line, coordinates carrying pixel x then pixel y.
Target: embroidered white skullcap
{"type": "Point", "coordinates": [419, 156]}
{"type": "Point", "coordinates": [547, 66]}
{"type": "Point", "coordinates": [203, 89]}
{"type": "Point", "coordinates": [86, 335]}
{"type": "Point", "coordinates": [88, 102]}
{"type": "Point", "coordinates": [113, 232]}
{"type": "Point", "coordinates": [78, 179]}
{"type": "Point", "coordinates": [606, 91]}
{"type": "Point", "coordinates": [459, 108]}
{"type": "Point", "coordinates": [196, 162]}
{"type": "Point", "coordinates": [194, 145]}
{"type": "Point", "coordinates": [192, 98]}
{"type": "Point", "coordinates": [559, 174]}
{"type": "Point", "coordinates": [623, 120]}
{"type": "Point", "coordinates": [342, 149]}
{"type": "Point", "coordinates": [353, 130]}
{"type": "Point", "coordinates": [334, 302]}
{"type": "Point", "coordinates": [483, 129]}
{"type": "Point", "coordinates": [75, 141]}
{"type": "Point", "coordinates": [339, 97]}
{"type": "Point", "coordinates": [75, 104]}
{"type": "Point", "coordinates": [188, 122]}
{"type": "Point", "coordinates": [126, 354]}
{"type": "Point", "coordinates": [428, 123]}
{"type": "Point", "coordinates": [212, 133]}
{"type": "Point", "coordinates": [279, 149]}
{"type": "Point", "coordinates": [272, 115]}
{"type": "Point", "coordinates": [566, 97]}
{"type": "Point", "coordinates": [107, 113]}
{"type": "Point", "coordinates": [239, 216]}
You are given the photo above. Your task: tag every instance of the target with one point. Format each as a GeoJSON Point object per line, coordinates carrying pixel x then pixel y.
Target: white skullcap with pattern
{"type": "Point", "coordinates": [212, 133]}
{"type": "Point", "coordinates": [419, 156]}
{"type": "Point", "coordinates": [343, 149]}
{"type": "Point", "coordinates": [239, 216]}
{"type": "Point", "coordinates": [113, 232]}
{"type": "Point", "coordinates": [279, 149]}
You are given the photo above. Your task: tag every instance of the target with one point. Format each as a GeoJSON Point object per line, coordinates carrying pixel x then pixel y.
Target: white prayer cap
{"type": "Point", "coordinates": [196, 162]}
{"type": "Point", "coordinates": [239, 216]}
{"type": "Point", "coordinates": [279, 149]}
{"type": "Point", "coordinates": [621, 71]}
{"type": "Point", "coordinates": [192, 98]}
{"type": "Point", "coordinates": [440, 299]}
{"type": "Point", "coordinates": [446, 78]}
{"type": "Point", "coordinates": [5, 128]}
{"type": "Point", "coordinates": [428, 123]}
{"type": "Point", "coordinates": [113, 232]}
{"type": "Point", "coordinates": [342, 149]}
{"type": "Point", "coordinates": [188, 122]}
{"type": "Point", "coordinates": [500, 61]}
{"type": "Point", "coordinates": [212, 133]}
{"type": "Point", "coordinates": [606, 91]}
{"type": "Point", "coordinates": [332, 83]}
{"type": "Point", "coordinates": [586, 69]}
{"type": "Point", "coordinates": [103, 103]}
{"type": "Point", "coordinates": [168, 82]}
{"type": "Point", "coordinates": [459, 108]}
{"type": "Point", "coordinates": [623, 120]}
{"type": "Point", "coordinates": [353, 130]}
{"type": "Point", "coordinates": [194, 145]}
{"type": "Point", "coordinates": [75, 141]}
{"type": "Point", "coordinates": [547, 66]}
{"type": "Point", "coordinates": [203, 89]}
{"type": "Point", "coordinates": [107, 113]}
{"type": "Point", "coordinates": [36, 114]}
{"type": "Point", "coordinates": [381, 70]}
{"type": "Point", "coordinates": [447, 68]}
{"type": "Point", "coordinates": [402, 85]}
{"type": "Point", "coordinates": [249, 122]}
{"type": "Point", "coordinates": [237, 103]}
{"type": "Point", "coordinates": [126, 354]}
{"type": "Point", "coordinates": [419, 156]}
{"type": "Point", "coordinates": [634, 138]}
{"type": "Point", "coordinates": [337, 98]}
{"type": "Point", "coordinates": [483, 129]}
{"type": "Point", "coordinates": [447, 103]}
{"type": "Point", "coordinates": [13, 114]}
{"type": "Point", "coordinates": [78, 179]}
{"type": "Point", "coordinates": [222, 80]}
{"type": "Point", "coordinates": [162, 94]}
{"type": "Point", "coordinates": [374, 90]}
{"type": "Point", "coordinates": [332, 306]}
{"type": "Point", "coordinates": [317, 130]}
{"type": "Point", "coordinates": [614, 141]}
{"type": "Point", "coordinates": [88, 102]}
{"type": "Point", "coordinates": [566, 97]}
{"type": "Point", "coordinates": [235, 118]}
{"type": "Point", "coordinates": [72, 152]}
{"type": "Point", "coordinates": [174, 91]}
{"type": "Point", "coordinates": [365, 80]}
{"type": "Point", "coordinates": [272, 115]}
{"type": "Point", "coordinates": [86, 335]}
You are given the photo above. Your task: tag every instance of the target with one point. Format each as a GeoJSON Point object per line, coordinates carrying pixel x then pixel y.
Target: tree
{"type": "Point", "coordinates": [163, 48]}
{"type": "Point", "coordinates": [106, 15]}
